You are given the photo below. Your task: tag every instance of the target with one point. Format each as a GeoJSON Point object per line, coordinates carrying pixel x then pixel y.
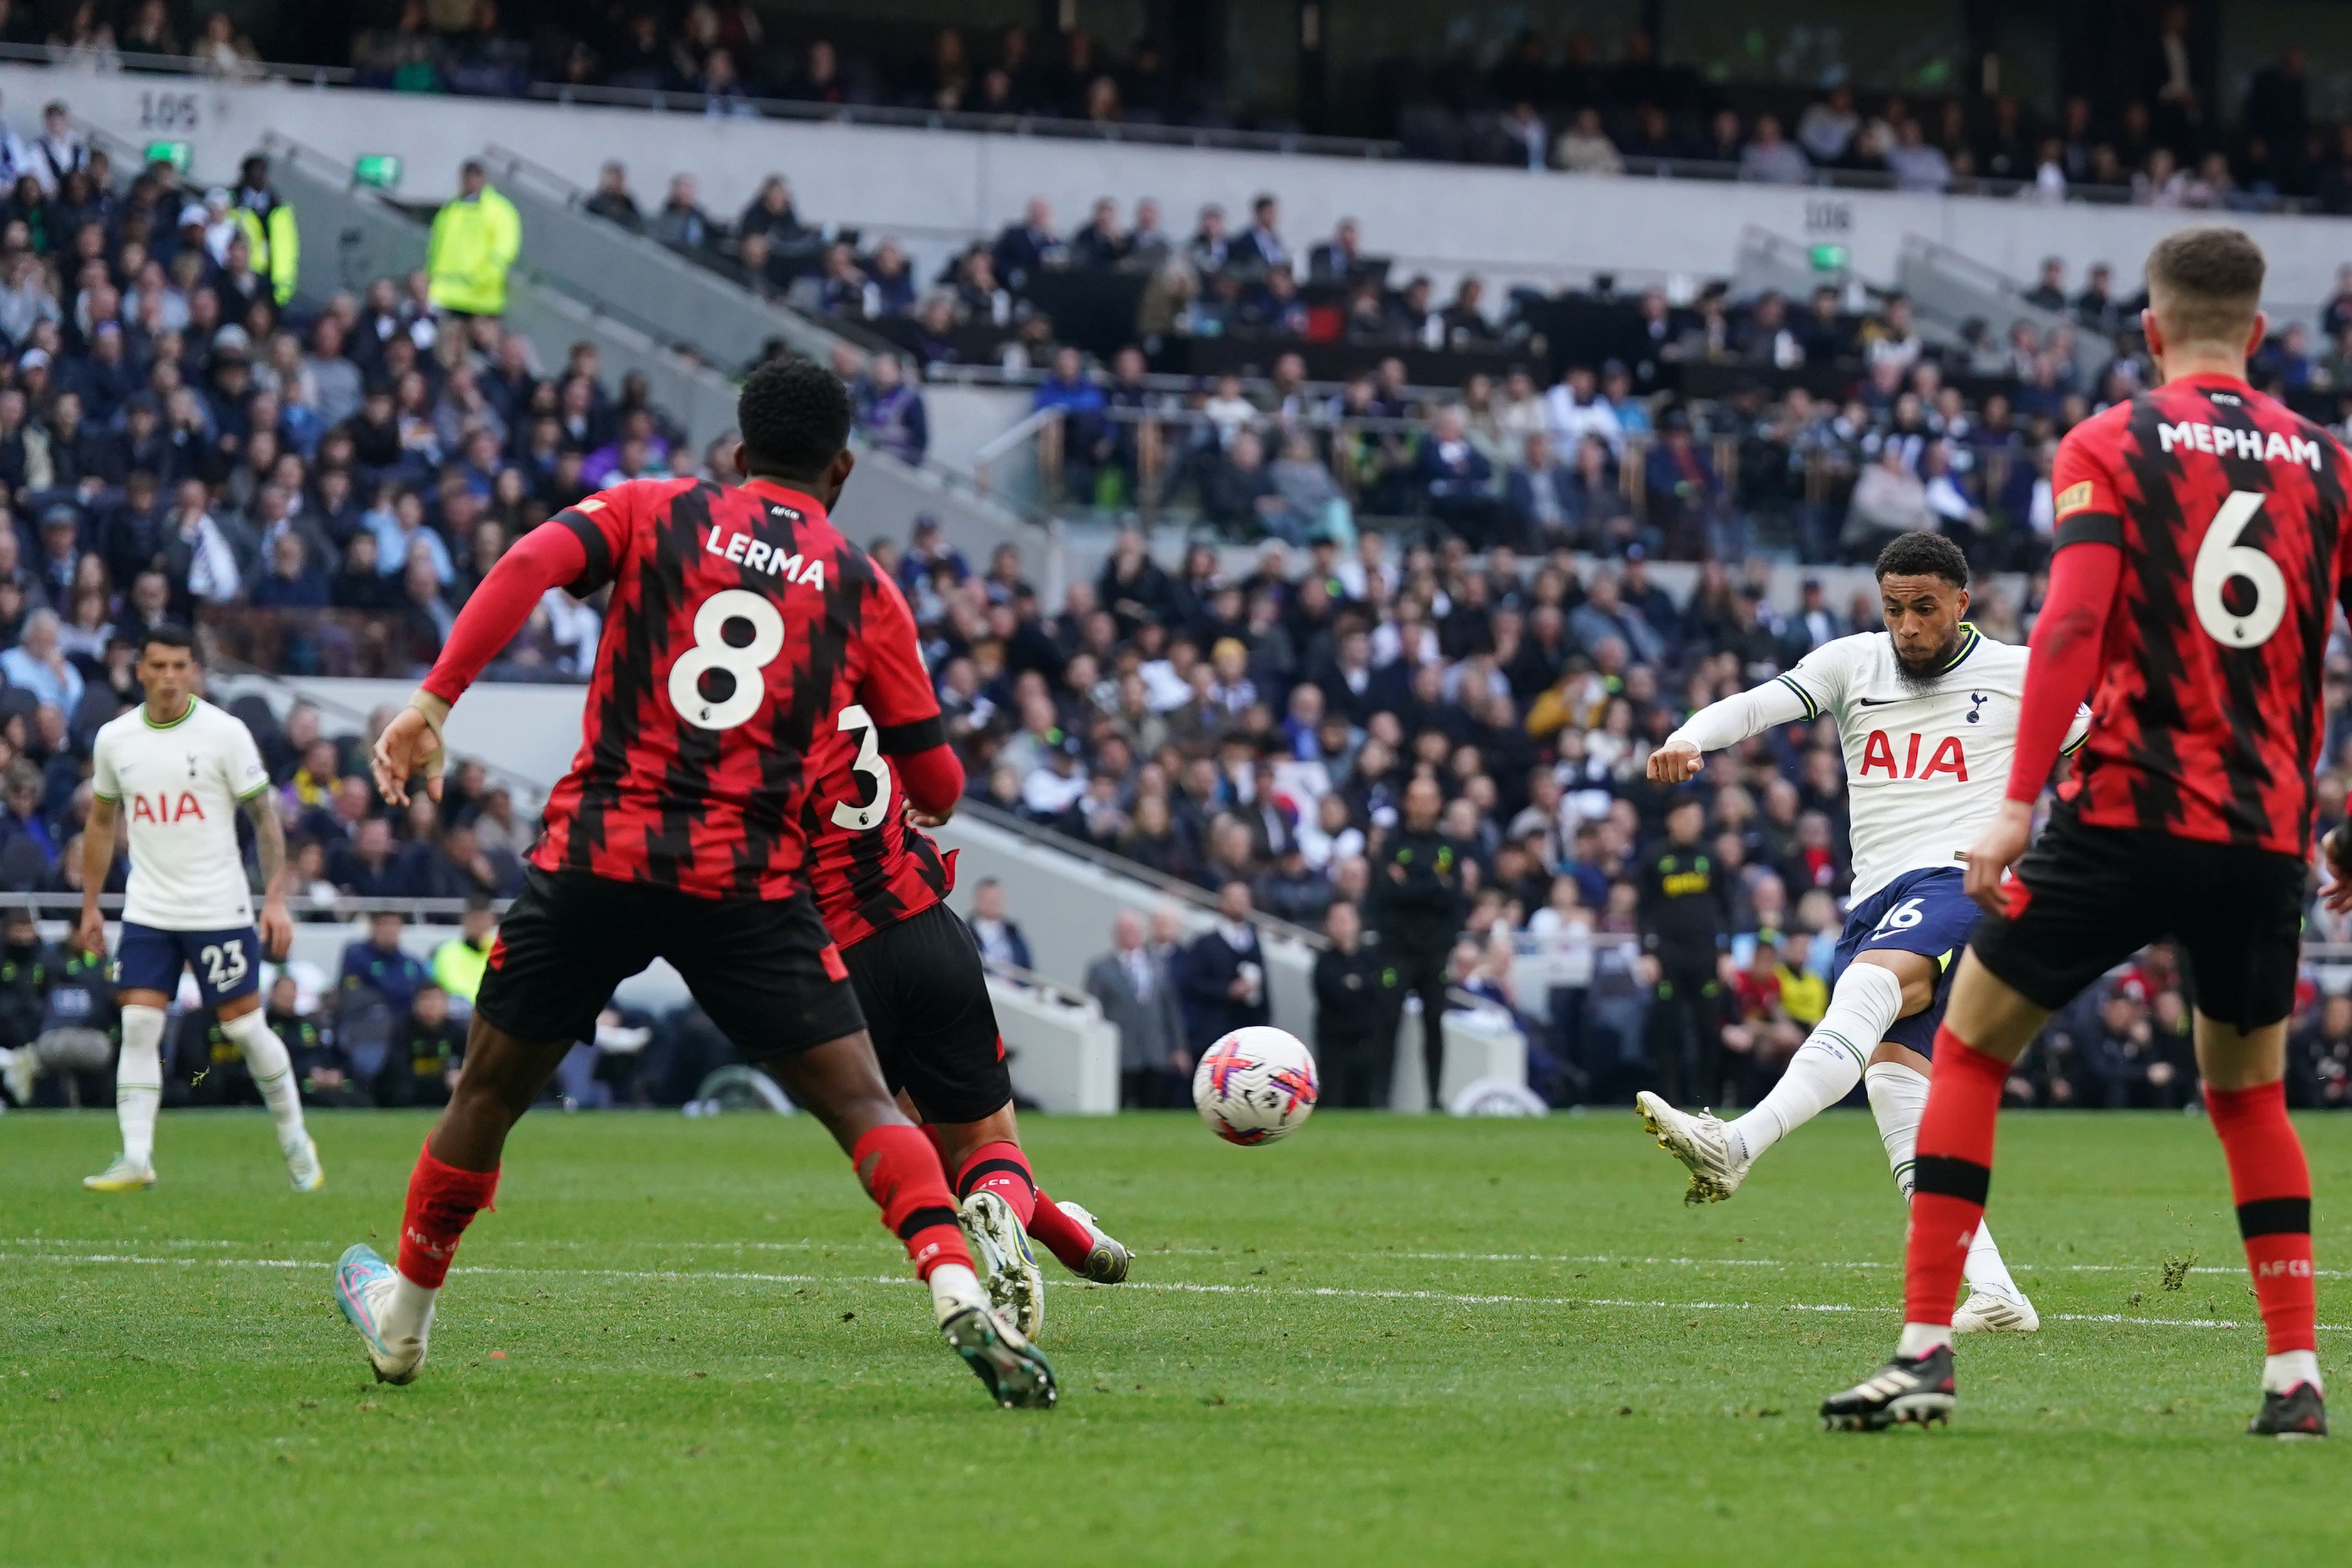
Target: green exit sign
{"type": "Point", "coordinates": [1829, 258]}
{"type": "Point", "coordinates": [381, 170]}
{"type": "Point", "coordinates": [176, 153]}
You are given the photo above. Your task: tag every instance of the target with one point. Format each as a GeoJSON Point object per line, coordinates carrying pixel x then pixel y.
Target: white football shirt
{"type": "Point", "coordinates": [1927, 766]}
{"type": "Point", "coordinates": [178, 786]}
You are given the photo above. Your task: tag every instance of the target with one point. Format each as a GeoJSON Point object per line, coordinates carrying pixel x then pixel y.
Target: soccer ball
{"type": "Point", "coordinates": [1255, 1086]}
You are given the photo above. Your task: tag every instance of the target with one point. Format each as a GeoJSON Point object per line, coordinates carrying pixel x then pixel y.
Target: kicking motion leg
{"type": "Point", "coordinates": [841, 1084]}
{"type": "Point", "coordinates": [1877, 988]}
{"type": "Point", "coordinates": [1897, 1085]}
{"type": "Point", "coordinates": [995, 1184]}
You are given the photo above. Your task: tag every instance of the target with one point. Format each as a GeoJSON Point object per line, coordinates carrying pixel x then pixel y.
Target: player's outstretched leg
{"type": "Point", "coordinates": [1867, 1002]}
{"type": "Point", "coordinates": [455, 1176]}
{"type": "Point", "coordinates": [2271, 1183]}
{"type": "Point", "coordinates": [1084, 1247]}
{"type": "Point", "coordinates": [839, 1083]}
{"type": "Point", "coordinates": [1898, 1097]}
{"type": "Point", "coordinates": [273, 1073]}
{"type": "Point", "coordinates": [138, 1095]}
{"type": "Point", "coordinates": [1073, 1235]}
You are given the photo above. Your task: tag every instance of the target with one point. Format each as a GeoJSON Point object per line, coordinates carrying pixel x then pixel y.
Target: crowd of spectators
{"type": "Point", "coordinates": [1260, 734]}
{"type": "Point", "coordinates": [2148, 128]}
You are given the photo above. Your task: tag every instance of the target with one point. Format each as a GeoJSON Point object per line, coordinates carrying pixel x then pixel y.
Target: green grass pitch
{"type": "Point", "coordinates": [1386, 1340]}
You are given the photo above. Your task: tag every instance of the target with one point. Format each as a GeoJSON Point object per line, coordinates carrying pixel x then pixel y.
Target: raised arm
{"type": "Point", "coordinates": [1727, 724]}
{"type": "Point", "coordinates": [550, 556]}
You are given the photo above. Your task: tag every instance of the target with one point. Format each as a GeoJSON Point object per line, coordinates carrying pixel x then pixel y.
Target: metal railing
{"type": "Point", "coordinates": [68, 58]}
{"type": "Point", "coordinates": [348, 907]}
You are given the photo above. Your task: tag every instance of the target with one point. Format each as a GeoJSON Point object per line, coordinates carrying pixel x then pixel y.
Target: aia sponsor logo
{"type": "Point", "coordinates": [1949, 757]}
{"type": "Point", "coordinates": [163, 808]}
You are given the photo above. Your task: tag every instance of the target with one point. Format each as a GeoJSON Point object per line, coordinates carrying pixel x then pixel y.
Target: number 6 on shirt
{"type": "Point", "coordinates": [2219, 558]}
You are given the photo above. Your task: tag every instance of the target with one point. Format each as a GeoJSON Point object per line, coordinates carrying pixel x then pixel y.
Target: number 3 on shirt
{"type": "Point", "coordinates": [2220, 558]}
{"type": "Point", "coordinates": [711, 651]}
{"type": "Point", "coordinates": [864, 818]}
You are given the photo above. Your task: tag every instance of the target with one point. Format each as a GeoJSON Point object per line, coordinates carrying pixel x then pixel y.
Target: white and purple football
{"type": "Point", "coordinates": [1255, 1086]}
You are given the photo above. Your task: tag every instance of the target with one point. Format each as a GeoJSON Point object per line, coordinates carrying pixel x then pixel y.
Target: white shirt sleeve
{"type": "Point", "coordinates": [246, 776]}
{"type": "Point", "coordinates": [1806, 693]}
{"type": "Point", "coordinates": [1733, 720]}
{"type": "Point", "coordinates": [102, 780]}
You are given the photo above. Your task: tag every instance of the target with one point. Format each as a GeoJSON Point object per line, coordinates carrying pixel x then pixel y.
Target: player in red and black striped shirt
{"type": "Point", "coordinates": [743, 634]}
{"type": "Point", "coordinates": [2201, 547]}
{"type": "Point", "coordinates": [879, 882]}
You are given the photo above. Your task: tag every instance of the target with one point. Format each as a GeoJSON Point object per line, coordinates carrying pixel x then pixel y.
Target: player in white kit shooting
{"type": "Point", "coordinates": [1926, 711]}
{"type": "Point", "coordinates": [177, 770]}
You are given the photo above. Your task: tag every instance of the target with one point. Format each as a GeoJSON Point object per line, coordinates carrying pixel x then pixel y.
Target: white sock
{"type": "Point", "coordinates": [2283, 1371]}
{"type": "Point", "coordinates": [1919, 1339]}
{"type": "Point", "coordinates": [139, 1082]}
{"type": "Point", "coordinates": [1899, 1097]}
{"type": "Point", "coordinates": [410, 1314]}
{"type": "Point", "coordinates": [952, 1287]}
{"type": "Point", "coordinates": [273, 1074]}
{"type": "Point", "coordinates": [1865, 1006]}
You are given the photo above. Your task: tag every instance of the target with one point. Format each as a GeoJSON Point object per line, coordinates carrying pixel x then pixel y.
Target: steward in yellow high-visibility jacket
{"type": "Point", "coordinates": [267, 225]}
{"type": "Point", "coordinates": [476, 239]}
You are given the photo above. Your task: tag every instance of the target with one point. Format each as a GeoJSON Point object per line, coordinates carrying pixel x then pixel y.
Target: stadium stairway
{"type": "Point", "coordinates": [1948, 289]}
{"type": "Point", "coordinates": [604, 263]}
{"type": "Point", "coordinates": [356, 235]}
{"type": "Point", "coordinates": [359, 236]}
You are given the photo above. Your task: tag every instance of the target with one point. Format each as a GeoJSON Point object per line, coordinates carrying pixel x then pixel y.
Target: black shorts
{"type": "Point", "coordinates": [763, 969]}
{"type": "Point", "coordinates": [926, 999]}
{"type": "Point", "coordinates": [2087, 898]}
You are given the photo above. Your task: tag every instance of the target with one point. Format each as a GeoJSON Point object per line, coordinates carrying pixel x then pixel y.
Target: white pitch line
{"type": "Point", "coordinates": [1229, 1255]}
{"type": "Point", "coordinates": [1324, 1292]}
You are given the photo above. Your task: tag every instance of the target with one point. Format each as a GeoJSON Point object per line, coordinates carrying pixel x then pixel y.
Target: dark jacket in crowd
{"type": "Point", "coordinates": [1417, 903]}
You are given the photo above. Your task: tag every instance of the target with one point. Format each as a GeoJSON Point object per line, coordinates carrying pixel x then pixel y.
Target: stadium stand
{"type": "Point", "coordinates": [1351, 533]}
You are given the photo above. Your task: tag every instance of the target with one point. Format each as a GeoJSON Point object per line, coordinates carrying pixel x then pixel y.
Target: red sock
{"type": "Point", "coordinates": [1065, 1237]}
{"type": "Point", "coordinates": [2272, 1186]}
{"type": "Point", "coordinates": [939, 1144]}
{"type": "Point", "coordinates": [442, 1202]}
{"type": "Point", "coordinates": [1954, 1173]}
{"type": "Point", "coordinates": [1001, 1169]}
{"type": "Point", "coordinates": [902, 1173]}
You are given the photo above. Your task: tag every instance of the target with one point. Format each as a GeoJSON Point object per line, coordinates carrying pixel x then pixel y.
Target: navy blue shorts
{"type": "Point", "coordinates": [227, 962]}
{"type": "Point", "coordinates": [1924, 912]}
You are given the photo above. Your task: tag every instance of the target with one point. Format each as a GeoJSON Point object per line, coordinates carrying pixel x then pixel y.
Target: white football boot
{"type": "Point", "coordinates": [1016, 1286]}
{"type": "Point", "coordinates": [998, 1352]}
{"type": "Point", "coordinates": [1701, 1143]}
{"type": "Point", "coordinates": [121, 1176]}
{"type": "Point", "coordinates": [1989, 1310]}
{"type": "Point", "coordinates": [302, 1167]}
{"type": "Point", "coordinates": [1107, 1264]}
{"type": "Point", "coordinates": [363, 1287]}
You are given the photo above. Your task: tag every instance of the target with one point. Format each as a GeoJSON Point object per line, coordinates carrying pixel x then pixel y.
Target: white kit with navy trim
{"type": "Point", "coordinates": [178, 786]}
{"type": "Point", "coordinates": [1926, 765]}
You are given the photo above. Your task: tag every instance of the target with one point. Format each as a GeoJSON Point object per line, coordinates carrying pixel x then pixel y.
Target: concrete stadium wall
{"type": "Point", "coordinates": [929, 186]}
